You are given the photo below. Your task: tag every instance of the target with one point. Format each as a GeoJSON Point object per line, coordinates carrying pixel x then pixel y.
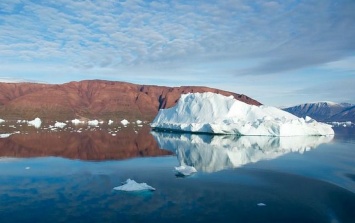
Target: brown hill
{"type": "Point", "coordinates": [93, 99]}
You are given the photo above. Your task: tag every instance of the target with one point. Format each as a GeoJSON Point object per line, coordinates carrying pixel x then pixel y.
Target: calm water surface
{"type": "Point", "coordinates": [68, 175]}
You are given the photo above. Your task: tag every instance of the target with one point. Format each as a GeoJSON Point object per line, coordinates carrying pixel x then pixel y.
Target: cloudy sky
{"type": "Point", "coordinates": [281, 53]}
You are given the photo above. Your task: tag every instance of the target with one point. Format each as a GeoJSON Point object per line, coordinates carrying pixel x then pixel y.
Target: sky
{"type": "Point", "coordinates": [280, 53]}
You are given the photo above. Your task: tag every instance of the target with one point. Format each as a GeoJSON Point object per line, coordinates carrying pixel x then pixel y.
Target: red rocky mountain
{"type": "Point", "coordinates": [93, 99]}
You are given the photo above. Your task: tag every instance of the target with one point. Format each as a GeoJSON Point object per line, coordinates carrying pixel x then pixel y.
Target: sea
{"type": "Point", "coordinates": [68, 174]}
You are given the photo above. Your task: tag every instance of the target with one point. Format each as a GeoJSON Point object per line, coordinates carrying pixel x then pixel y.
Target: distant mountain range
{"type": "Point", "coordinates": [91, 99]}
{"type": "Point", "coordinates": [325, 111]}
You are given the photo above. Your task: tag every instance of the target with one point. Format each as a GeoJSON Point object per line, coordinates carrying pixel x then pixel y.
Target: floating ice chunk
{"type": "Point", "coordinates": [131, 185]}
{"type": "Point", "coordinates": [185, 170]}
{"type": "Point", "coordinates": [139, 122]}
{"type": "Point", "coordinates": [261, 204]}
{"type": "Point", "coordinates": [93, 122]}
{"type": "Point", "coordinates": [110, 122]}
{"type": "Point", "coordinates": [5, 135]}
{"type": "Point", "coordinates": [2, 120]}
{"type": "Point", "coordinates": [60, 125]}
{"type": "Point", "coordinates": [27, 168]}
{"type": "Point", "coordinates": [124, 122]}
{"type": "Point", "coordinates": [35, 122]}
{"type": "Point", "coordinates": [76, 121]}
{"type": "Point", "coordinates": [214, 113]}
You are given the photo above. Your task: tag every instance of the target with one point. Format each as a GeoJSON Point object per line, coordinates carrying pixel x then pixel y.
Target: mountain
{"type": "Point", "coordinates": [323, 111]}
{"type": "Point", "coordinates": [93, 99]}
{"type": "Point", "coordinates": [347, 114]}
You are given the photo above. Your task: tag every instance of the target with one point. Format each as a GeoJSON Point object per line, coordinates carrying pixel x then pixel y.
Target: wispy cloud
{"type": "Point", "coordinates": [169, 39]}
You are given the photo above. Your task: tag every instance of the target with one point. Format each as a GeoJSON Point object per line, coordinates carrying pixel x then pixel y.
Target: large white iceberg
{"type": "Point", "coordinates": [210, 153]}
{"type": "Point", "coordinates": [218, 114]}
{"type": "Point", "coordinates": [131, 185]}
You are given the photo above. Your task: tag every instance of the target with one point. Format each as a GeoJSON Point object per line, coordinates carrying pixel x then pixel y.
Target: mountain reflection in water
{"type": "Point", "coordinates": [211, 153]}
{"type": "Point", "coordinates": [86, 145]}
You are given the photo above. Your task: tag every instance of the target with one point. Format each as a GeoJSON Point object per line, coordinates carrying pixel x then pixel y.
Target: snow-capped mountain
{"type": "Point", "coordinates": [324, 111]}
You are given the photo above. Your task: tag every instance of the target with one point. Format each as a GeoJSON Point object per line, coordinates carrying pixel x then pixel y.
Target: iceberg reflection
{"type": "Point", "coordinates": [210, 153]}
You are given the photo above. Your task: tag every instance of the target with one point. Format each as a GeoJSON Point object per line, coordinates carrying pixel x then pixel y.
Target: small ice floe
{"type": "Point", "coordinates": [124, 122]}
{"type": "Point", "coordinates": [185, 170]}
{"type": "Point", "coordinates": [27, 168]}
{"type": "Point", "coordinates": [60, 124]}
{"type": "Point", "coordinates": [2, 120]}
{"type": "Point", "coordinates": [110, 122]}
{"type": "Point", "coordinates": [37, 122]}
{"type": "Point", "coordinates": [113, 134]}
{"type": "Point", "coordinates": [261, 204]}
{"type": "Point", "coordinates": [76, 122]}
{"type": "Point", "coordinates": [93, 122]}
{"type": "Point", "coordinates": [5, 135]}
{"type": "Point", "coordinates": [139, 122]}
{"type": "Point", "coordinates": [131, 185]}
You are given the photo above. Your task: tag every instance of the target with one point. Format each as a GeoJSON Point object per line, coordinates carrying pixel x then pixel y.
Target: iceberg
{"type": "Point", "coordinates": [35, 122]}
{"type": "Point", "coordinates": [211, 153]}
{"type": "Point", "coordinates": [124, 122]}
{"type": "Point", "coordinates": [217, 114]}
{"type": "Point", "coordinates": [131, 185]}
{"type": "Point", "coordinates": [185, 170]}
{"type": "Point", "coordinates": [60, 124]}
{"type": "Point", "coordinates": [110, 122]}
{"type": "Point", "coordinates": [2, 120]}
{"type": "Point", "coordinates": [5, 135]}
{"type": "Point", "coordinates": [93, 122]}
{"type": "Point", "coordinates": [76, 121]}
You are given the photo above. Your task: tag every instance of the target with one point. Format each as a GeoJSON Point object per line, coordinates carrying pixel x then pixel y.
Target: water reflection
{"type": "Point", "coordinates": [84, 145]}
{"type": "Point", "coordinates": [210, 153]}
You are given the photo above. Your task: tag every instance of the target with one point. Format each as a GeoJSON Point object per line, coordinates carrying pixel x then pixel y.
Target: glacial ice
{"type": "Point", "coordinates": [5, 135]}
{"type": "Point", "coordinates": [124, 122]}
{"type": "Point", "coordinates": [211, 153]}
{"type": "Point", "coordinates": [131, 185]}
{"type": "Point", "coordinates": [110, 122]}
{"type": "Point", "coordinates": [2, 120]}
{"type": "Point", "coordinates": [214, 113]}
{"type": "Point", "coordinates": [37, 122]}
{"type": "Point", "coordinates": [185, 170]}
{"type": "Point", "coordinates": [93, 122]}
{"type": "Point", "coordinates": [60, 124]}
{"type": "Point", "coordinates": [76, 121]}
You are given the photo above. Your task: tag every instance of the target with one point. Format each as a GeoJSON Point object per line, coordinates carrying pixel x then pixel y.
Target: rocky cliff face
{"type": "Point", "coordinates": [93, 99]}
